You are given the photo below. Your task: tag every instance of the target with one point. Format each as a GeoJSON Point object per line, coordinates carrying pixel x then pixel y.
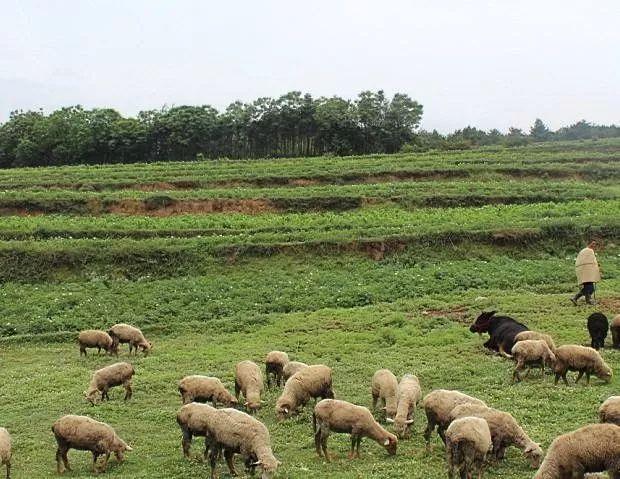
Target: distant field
{"type": "Point", "coordinates": [360, 263]}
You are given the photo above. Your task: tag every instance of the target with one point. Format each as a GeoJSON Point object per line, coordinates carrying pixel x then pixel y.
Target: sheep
{"type": "Point", "coordinates": [580, 358]}
{"type": "Point", "coordinates": [238, 433]}
{"type": "Point", "coordinates": [249, 382]}
{"type": "Point", "coordinates": [597, 327]}
{"type": "Point", "coordinates": [409, 393]}
{"type": "Point", "coordinates": [531, 352]}
{"type": "Point", "coordinates": [105, 378]}
{"type": "Point", "coordinates": [610, 410]}
{"type": "Point", "coordinates": [505, 431]}
{"type": "Point", "coordinates": [592, 448]}
{"type": "Point", "coordinates": [204, 388]}
{"type": "Point", "coordinates": [274, 366]}
{"type": "Point", "coordinates": [312, 382]}
{"type": "Point", "coordinates": [341, 416]}
{"type": "Point", "coordinates": [5, 451]}
{"type": "Point", "coordinates": [437, 405]}
{"type": "Point", "coordinates": [86, 434]}
{"type": "Point", "coordinates": [291, 368]}
{"type": "Point", "coordinates": [124, 333]}
{"type": "Point", "coordinates": [468, 441]}
{"type": "Point", "coordinates": [615, 331]}
{"type": "Point", "coordinates": [95, 338]}
{"type": "Point", "coordinates": [385, 387]}
{"type": "Point", "coordinates": [525, 335]}
{"type": "Point", "coordinates": [194, 419]}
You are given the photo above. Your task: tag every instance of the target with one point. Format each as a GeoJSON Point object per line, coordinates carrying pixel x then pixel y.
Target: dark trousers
{"type": "Point", "coordinates": [587, 290]}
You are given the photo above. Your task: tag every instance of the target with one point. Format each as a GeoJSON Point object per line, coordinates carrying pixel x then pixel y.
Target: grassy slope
{"type": "Point", "coordinates": [356, 341]}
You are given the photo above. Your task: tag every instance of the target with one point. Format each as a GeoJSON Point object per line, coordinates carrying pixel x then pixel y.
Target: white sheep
{"type": "Point", "coordinates": [409, 394]}
{"type": "Point", "coordinates": [249, 382]}
{"type": "Point", "coordinates": [592, 448]}
{"type": "Point", "coordinates": [5, 451]}
{"type": "Point", "coordinates": [204, 388]}
{"type": "Point", "coordinates": [610, 410]}
{"type": "Point", "coordinates": [531, 352]}
{"type": "Point", "coordinates": [312, 382]}
{"type": "Point", "coordinates": [344, 417]}
{"type": "Point", "coordinates": [438, 405]}
{"type": "Point", "coordinates": [468, 441]}
{"type": "Point", "coordinates": [385, 387]}
{"type": "Point", "coordinates": [274, 366]}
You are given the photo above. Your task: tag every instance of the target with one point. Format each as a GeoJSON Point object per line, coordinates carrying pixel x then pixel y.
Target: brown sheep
{"type": "Point", "coordinates": [505, 431]}
{"type": "Point", "coordinates": [385, 387]}
{"type": "Point", "coordinates": [249, 382]}
{"type": "Point", "coordinates": [531, 352]}
{"type": "Point", "coordinates": [610, 410]}
{"type": "Point", "coordinates": [580, 358]}
{"type": "Point", "coordinates": [592, 448]}
{"type": "Point", "coordinates": [527, 335]}
{"type": "Point", "coordinates": [86, 434]}
{"type": "Point", "coordinates": [409, 394]}
{"type": "Point", "coordinates": [438, 405]}
{"type": "Point", "coordinates": [5, 451]}
{"type": "Point", "coordinates": [274, 366]}
{"type": "Point", "coordinates": [194, 420]}
{"type": "Point", "coordinates": [124, 333]}
{"type": "Point", "coordinates": [94, 338]}
{"type": "Point", "coordinates": [312, 382]}
{"type": "Point", "coordinates": [615, 331]}
{"type": "Point", "coordinates": [344, 417]}
{"type": "Point", "coordinates": [291, 368]}
{"type": "Point", "coordinates": [204, 388]}
{"type": "Point", "coordinates": [468, 441]}
{"type": "Point", "coordinates": [105, 378]}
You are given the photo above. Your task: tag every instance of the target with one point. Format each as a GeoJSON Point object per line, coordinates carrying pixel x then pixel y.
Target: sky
{"type": "Point", "coordinates": [489, 64]}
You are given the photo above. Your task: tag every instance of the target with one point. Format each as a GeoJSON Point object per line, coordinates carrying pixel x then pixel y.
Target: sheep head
{"type": "Point", "coordinates": [120, 447]}
{"type": "Point", "coordinates": [534, 453]}
{"type": "Point", "coordinates": [390, 443]}
{"type": "Point", "coordinates": [481, 325]}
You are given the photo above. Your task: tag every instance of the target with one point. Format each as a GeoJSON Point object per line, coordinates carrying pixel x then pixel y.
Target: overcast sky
{"type": "Point", "coordinates": [481, 63]}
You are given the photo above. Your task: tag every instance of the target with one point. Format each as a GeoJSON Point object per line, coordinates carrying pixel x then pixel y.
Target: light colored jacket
{"type": "Point", "coordinates": [586, 267]}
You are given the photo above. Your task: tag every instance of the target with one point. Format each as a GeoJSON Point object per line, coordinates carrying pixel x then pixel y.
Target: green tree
{"type": "Point", "coordinates": [539, 131]}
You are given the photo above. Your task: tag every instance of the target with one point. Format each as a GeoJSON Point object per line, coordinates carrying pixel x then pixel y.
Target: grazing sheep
{"type": "Point", "coordinates": [610, 410]}
{"type": "Point", "coordinates": [505, 431]}
{"type": "Point", "coordinates": [525, 335]}
{"type": "Point", "coordinates": [531, 352]}
{"type": "Point", "coordinates": [615, 331]}
{"type": "Point", "coordinates": [341, 416]}
{"type": "Point", "coordinates": [204, 388]}
{"type": "Point", "coordinates": [291, 368]}
{"type": "Point", "coordinates": [409, 394]}
{"type": "Point", "coordinates": [124, 333]}
{"type": "Point", "coordinates": [592, 448]}
{"type": "Point", "coordinates": [468, 441]}
{"type": "Point", "coordinates": [312, 382]}
{"type": "Point", "coordinates": [105, 378]}
{"type": "Point", "coordinates": [438, 405]}
{"type": "Point", "coordinates": [249, 382]}
{"type": "Point", "coordinates": [194, 419]}
{"type": "Point", "coordinates": [94, 338]}
{"type": "Point", "coordinates": [598, 325]}
{"type": "Point", "coordinates": [274, 366]}
{"type": "Point", "coordinates": [239, 433]}
{"type": "Point", "coordinates": [580, 358]}
{"type": "Point", "coordinates": [385, 387]}
{"type": "Point", "coordinates": [5, 451]}
{"type": "Point", "coordinates": [86, 434]}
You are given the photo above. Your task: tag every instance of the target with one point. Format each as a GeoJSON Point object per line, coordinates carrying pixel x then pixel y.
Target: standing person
{"type": "Point", "coordinates": [588, 272]}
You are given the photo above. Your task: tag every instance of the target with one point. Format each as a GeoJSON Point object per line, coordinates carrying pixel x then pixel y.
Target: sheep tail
{"type": "Point", "coordinates": [503, 352]}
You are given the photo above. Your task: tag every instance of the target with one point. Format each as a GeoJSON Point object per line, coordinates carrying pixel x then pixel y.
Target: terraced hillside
{"type": "Point", "coordinates": [360, 263]}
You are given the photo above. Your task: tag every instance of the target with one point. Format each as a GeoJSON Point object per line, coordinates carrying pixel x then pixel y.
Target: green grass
{"type": "Point", "coordinates": [49, 379]}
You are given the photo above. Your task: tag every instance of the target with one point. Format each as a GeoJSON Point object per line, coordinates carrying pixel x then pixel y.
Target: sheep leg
{"type": "Point", "coordinates": [61, 454]}
{"type": "Point", "coordinates": [213, 455]}
{"type": "Point", "coordinates": [587, 378]}
{"type": "Point", "coordinates": [95, 457]}
{"type": "Point", "coordinates": [353, 442]}
{"type": "Point", "coordinates": [324, 432]}
{"type": "Point", "coordinates": [106, 458]}
{"type": "Point", "coordinates": [430, 427]}
{"type": "Point", "coordinates": [317, 441]}
{"type": "Point", "coordinates": [442, 433]}
{"type": "Point", "coordinates": [279, 379]}
{"type": "Point", "coordinates": [237, 390]}
{"type": "Point", "coordinates": [83, 351]}
{"type": "Point", "coordinates": [357, 447]}
{"type": "Point", "coordinates": [128, 390]}
{"type": "Point", "coordinates": [579, 376]}
{"type": "Point", "coordinates": [187, 443]}
{"type": "Point", "coordinates": [8, 470]}
{"type": "Point", "coordinates": [229, 454]}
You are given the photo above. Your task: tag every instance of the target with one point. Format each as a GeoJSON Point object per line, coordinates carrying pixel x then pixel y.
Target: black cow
{"type": "Point", "coordinates": [502, 331]}
{"type": "Point", "coordinates": [597, 327]}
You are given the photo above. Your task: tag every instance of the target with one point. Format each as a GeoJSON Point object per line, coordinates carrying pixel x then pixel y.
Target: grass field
{"type": "Point", "coordinates": [384, 273]}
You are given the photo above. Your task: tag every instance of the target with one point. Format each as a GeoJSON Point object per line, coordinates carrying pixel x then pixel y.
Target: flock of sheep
{"type": "Point", "coordinates": [473, 432]}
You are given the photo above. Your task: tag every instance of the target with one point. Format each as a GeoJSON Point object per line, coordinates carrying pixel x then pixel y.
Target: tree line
{"type": "Point", "coordinates": [292, 125]}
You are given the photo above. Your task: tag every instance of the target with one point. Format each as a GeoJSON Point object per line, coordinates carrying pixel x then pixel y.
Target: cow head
{"type": "Point", "coordinates": [482, 323]}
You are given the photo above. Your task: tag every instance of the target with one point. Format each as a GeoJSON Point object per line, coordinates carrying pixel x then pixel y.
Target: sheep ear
{"type": "Point", "coordinates": [386, 442]}
{"type": "Point", "coordinates": [409, 421]}
{"type": "Point", "coordinates": [257, 463]}
{"type": "Point", "coordinates": [246, 404]}
{"type": "Point", "coordinates": [285, 410]}
{"type": "Point", "coordinates": [389, 419]}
